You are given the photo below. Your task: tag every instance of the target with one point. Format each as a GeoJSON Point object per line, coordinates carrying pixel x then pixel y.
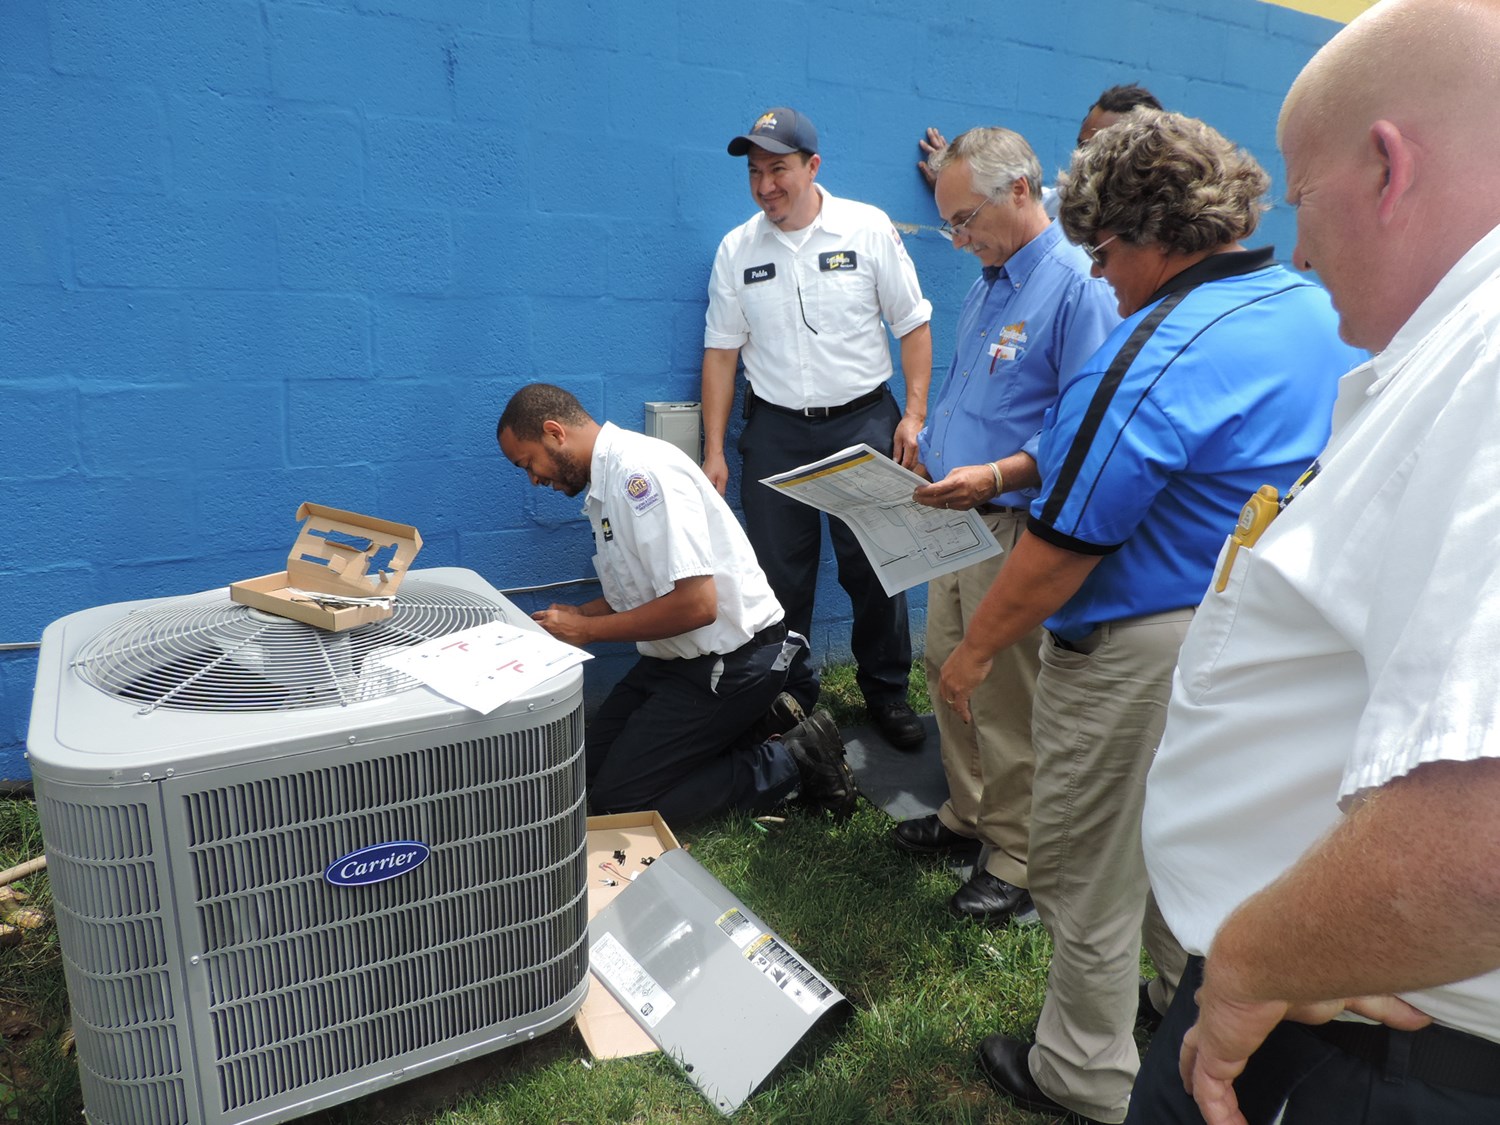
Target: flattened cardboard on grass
{"type": "Point", "coordinates": [608, 1029]}
{"type": "Point", "coordinates": [332, 555]}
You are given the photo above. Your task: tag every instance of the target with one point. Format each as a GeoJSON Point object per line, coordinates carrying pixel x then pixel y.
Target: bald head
{"type": "Point", "coordinates": [1423, 60]}
{"type": "Point", "coordinates": [1390, 156]}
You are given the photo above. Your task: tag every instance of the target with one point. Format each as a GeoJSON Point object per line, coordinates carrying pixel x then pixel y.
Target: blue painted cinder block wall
{"type": "Point", "coordinates": [254, 252]}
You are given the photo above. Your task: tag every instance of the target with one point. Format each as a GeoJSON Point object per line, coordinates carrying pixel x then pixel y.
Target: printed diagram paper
{"type": "Point", "coordinates": [906, 542]}
{"type": "Point", "coordinates": [483, 667]}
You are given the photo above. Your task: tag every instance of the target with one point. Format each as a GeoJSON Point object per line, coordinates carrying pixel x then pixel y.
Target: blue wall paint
{"type": "Point", "coordinates": [254, 252]}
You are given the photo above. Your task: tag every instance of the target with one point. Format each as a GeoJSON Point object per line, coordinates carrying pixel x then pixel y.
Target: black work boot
{"type": "Point", "coordinates": [818, 749]}
{"type": "Point", "coordinates": [783, 714]}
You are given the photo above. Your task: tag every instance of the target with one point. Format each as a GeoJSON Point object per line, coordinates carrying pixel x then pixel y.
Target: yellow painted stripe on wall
{"type": "Point", "coordinates": [1340, 10]}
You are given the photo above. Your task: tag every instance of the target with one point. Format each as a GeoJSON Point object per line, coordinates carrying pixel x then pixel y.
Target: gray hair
{"type": "Point", "coordinates": [997, 158]}
{"type": "Point", "coordinates": [1156, 177]}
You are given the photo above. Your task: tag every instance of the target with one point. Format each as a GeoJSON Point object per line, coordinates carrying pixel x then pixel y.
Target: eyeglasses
{"type": "Point", "coordinates": [1093, 251]}
{"type": "Point", "coordinates": [950, 229]}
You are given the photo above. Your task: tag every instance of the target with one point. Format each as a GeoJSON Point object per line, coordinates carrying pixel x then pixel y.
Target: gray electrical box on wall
{"type": "Point", "coordinates": [680, 423]}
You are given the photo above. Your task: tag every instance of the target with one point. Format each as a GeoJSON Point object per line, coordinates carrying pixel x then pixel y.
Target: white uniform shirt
{"type": "Point", "coordinates": [657, 519]}
{"type": "Point", "coordinates": [807, 318]}
{"type": "Point", "coordinates": [1359, 639]}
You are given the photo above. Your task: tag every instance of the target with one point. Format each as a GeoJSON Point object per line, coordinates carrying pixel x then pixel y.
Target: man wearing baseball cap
{"type": "Point", "coordinates": [799, 293]}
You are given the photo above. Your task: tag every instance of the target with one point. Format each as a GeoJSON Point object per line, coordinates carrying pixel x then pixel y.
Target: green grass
{"type": "Point", "coordinates": [924, 989]}
{"type": "Point", "coordinates": [38, 1081]}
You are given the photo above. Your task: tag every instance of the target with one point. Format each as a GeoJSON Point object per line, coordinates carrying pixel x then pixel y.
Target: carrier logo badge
{"type": "Point", "coordinates": [642, 492]}
{"type": "Point", "coordinates": [377, 863]}
{"type": "Point", "coordinates": [760, 273]}
{"type": "Point", "coordinates": [838, 260]}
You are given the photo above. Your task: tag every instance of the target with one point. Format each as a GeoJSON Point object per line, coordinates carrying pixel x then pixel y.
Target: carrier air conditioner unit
{"type": "Point", "coordinates": [286, 875]}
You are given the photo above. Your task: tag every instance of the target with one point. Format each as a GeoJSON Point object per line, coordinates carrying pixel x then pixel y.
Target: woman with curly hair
{"type": "Point", "coordinates": [1220, 379]}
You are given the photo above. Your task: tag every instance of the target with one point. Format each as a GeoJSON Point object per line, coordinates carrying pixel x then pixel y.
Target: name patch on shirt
{"type": "Point", "coordinates": [1010, 346]}
{"type": "Point", "coordinates": [642, 492]}
{"type": "Point", "coordinates": [760, 273]}
{"type": "Point", "coordinates": [838, 260]}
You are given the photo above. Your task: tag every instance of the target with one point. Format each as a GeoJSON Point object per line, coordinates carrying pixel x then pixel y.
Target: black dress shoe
{"type": "Point", "coordinates": [1003, 1061]}
{"type": "Point", "coordinates": [899, 724]}
{"type": "Point", "coordinates": [987, 898]}
{"type": "Point", "coordinates": [927, 835]}
{"type": "Point", "coordinates": [1146, 1015]}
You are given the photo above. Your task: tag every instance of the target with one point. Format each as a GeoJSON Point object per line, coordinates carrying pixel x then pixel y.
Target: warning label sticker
{"type": "Point", "coordinates": [783, 969]}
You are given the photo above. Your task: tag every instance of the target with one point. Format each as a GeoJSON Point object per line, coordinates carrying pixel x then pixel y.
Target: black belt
{"type": "Point", "coordinates": [770, 635]}
{"type": "Point", "coordinates": [1441, 1056]}
{"type": "Point", "coordinates": [826, 411]}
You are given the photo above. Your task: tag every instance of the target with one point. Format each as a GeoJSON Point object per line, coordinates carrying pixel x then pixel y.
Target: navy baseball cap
{"type": "Point", "coordinates": [779, 130]}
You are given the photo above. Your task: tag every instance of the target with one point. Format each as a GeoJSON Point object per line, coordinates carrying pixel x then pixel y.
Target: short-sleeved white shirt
{"type": "Point", "coordinates": [806, 313]}
{"type": "Point", "coordinates": [657, 519]}
{"type": "Point", "coordinates": [1359, 639]}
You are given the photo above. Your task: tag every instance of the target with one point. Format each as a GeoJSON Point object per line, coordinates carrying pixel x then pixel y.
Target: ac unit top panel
{"type": "Point", "coordinates": [127, 692]}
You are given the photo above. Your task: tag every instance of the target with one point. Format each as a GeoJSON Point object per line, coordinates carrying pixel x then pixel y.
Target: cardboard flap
{"type": "Point", "coordinates": [609, 1030]}
{"type": "Point", "coordinates": [335, 549]}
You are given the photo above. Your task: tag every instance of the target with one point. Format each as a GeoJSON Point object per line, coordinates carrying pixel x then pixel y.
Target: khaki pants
{"type": "Point", "coordinates": [988, 762]}
{"type": "Point", "coordinates": [1098, 718]}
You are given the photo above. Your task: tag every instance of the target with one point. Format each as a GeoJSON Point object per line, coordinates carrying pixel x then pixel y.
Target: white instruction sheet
{"type": "Point", "coordinates": [906, 542]}
{"type": "Point", "coordinates": [485, 666]}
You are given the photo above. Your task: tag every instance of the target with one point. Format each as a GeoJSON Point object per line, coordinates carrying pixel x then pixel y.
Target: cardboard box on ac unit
{"type": "Point", "coordinates": [332, 555]}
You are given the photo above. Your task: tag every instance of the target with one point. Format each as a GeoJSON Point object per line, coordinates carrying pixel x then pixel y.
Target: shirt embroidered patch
{"type": "Point", "coordinates": [1010, 346]}
{"type": "Point", "coordinates": [642, 492]}
{"type": "Point", "coordinates": [760, 273]}
{"type": "Point", "coordinates": [838, 260]}
{"type": "Point", "coordinates": [604, 527]}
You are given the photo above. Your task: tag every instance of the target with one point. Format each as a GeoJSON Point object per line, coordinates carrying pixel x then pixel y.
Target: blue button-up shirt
{"type": "Point", "coordinates": [1025, 327]}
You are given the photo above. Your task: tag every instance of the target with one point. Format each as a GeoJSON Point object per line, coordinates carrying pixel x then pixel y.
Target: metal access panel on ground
{"type": "Point", "coordinates": [709, 981]}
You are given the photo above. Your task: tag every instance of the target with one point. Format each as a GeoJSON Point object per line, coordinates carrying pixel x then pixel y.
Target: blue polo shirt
{"type": "Point", "coordinates": [1023, 327]}
{"type": "Point", "coordinates": [1149, 464]}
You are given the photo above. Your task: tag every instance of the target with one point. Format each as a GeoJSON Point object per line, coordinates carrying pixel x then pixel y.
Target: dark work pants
{"type": "Point", "coordinates": [674, 736]}
{"type": "Point", "coordinates": [1316, 1082]}
{"type": "Point", "coordinates": [787, 537]}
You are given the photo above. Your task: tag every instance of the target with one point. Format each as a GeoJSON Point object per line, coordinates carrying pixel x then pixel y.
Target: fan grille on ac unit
{"type": "Point", "coordinates": [217, 655]}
